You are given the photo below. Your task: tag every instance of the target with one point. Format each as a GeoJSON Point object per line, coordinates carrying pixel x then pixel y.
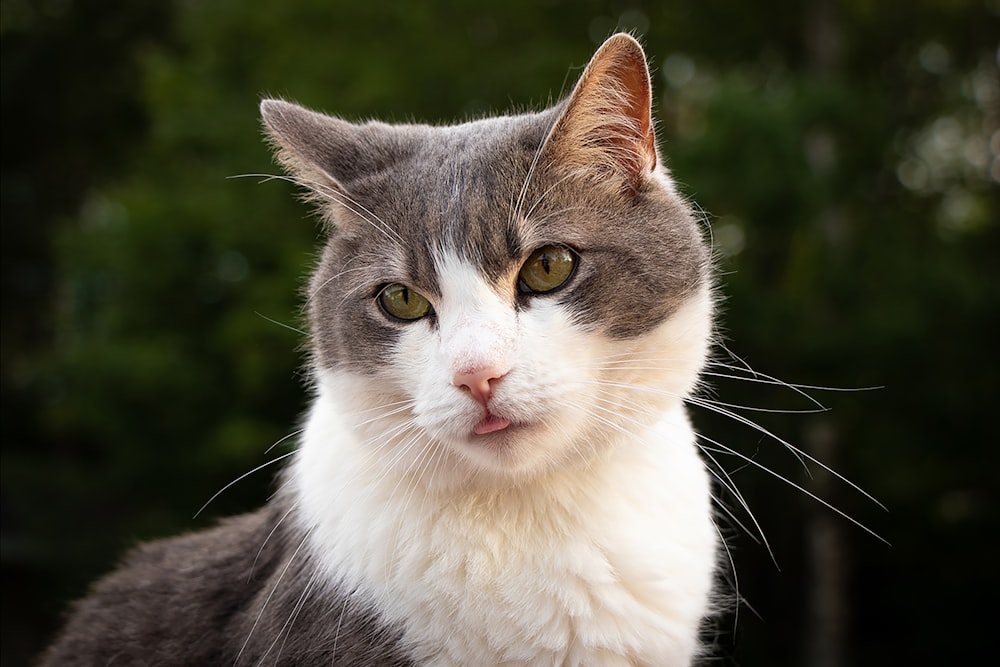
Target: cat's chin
{"type": "Point", "coordinates": [516, 453]}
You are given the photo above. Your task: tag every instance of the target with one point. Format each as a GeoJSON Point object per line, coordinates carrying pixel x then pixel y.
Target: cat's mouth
{"type": "Point", "coordinates": [491, 423]}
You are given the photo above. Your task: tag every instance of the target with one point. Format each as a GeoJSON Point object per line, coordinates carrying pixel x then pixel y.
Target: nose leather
{"type": "Point", "coordinates": [478, 381]}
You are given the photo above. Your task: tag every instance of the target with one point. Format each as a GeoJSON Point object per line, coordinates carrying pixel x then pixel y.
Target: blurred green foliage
{"type": "Point", "coordinates": [846, 155]}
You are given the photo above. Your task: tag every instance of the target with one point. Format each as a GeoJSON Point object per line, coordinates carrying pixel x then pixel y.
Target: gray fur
{"type": "Point", "coordinates": [195, 600]}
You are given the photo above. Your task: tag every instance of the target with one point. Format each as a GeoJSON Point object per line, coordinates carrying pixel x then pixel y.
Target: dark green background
{"type": "Point", "coordinates": [845, 154]}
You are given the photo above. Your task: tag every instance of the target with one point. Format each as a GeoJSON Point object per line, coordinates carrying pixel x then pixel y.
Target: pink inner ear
{"type": "Point", "coordinates": [637, 138]}
{"type": "Point", "coordinates": [607, 125]}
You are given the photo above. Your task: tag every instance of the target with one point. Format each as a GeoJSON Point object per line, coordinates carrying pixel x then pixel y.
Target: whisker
{"type": "Point", "coordinates": [346, 269]}
{"type": "Point", "coordinates": [516, 212]}
{"type": "Point", "coordinates": [270, 595]}
{"type": "Point", "coordinates": [336, 196]}
{"type": "Point", "coordinates": [402, 406]}
{"type": "Point", "coordinates": [712, 406]}
{"type": "Point", "coordinates": [545, 194]}
{"type": "Point", "coordinates": [603, 420]}
{"type": "Point", "coordinates": [718, 409]}
{"type": "Point", "coordinates": [730, 485]}
{"type": "Point", "coordinates": [795, 486]}
{"type": "Point", "coordinates": [286, 628]}
{"type": "Point", "coordinates": [277, 442]}
{"type": "Point", "coordinates": [722, 476]}
{"type": "Point", "coordinates": [421, 464]}
{"type": "Point", "coordinates": [795, 450]}
{"type": "Point", "coordinates": [762, 378]}
{"type": "Point", "coordinates": [732, 568]}
{"type": "Point", "coordinates": [267, 539]}
{"type": "Point", "coordinates": [247, 474]}
{"type": "Point", "coordinates": [750, 408]}
{"type": "Point", "coordinates": [340, 623]}
{"type": "Point", "coordinates": [280, 324]}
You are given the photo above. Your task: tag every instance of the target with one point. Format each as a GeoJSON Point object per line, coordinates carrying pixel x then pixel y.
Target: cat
{"type": "Point", "coordinates": [497, 467]}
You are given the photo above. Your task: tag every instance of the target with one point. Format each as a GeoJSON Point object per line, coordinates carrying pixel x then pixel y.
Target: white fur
{"type": "Point", "coordinates": [581, 535]}
{"type": "Point", "coordinates": [476, 326]}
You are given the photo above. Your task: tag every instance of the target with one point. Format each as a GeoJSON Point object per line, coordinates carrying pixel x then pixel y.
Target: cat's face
{"type": "Point", "coordinates": [502, 297]}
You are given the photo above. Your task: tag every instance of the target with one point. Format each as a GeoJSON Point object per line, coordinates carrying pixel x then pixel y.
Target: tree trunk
{"type": "Point", "coordinates": [827, 597]}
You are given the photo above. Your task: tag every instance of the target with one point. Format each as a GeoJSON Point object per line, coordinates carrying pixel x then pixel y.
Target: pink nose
{"type": "Point", "coordinates": [478, 380]}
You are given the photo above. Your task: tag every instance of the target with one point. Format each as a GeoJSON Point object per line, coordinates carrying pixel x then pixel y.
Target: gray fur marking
{"type": "Point", "coordinates": [196, 599]}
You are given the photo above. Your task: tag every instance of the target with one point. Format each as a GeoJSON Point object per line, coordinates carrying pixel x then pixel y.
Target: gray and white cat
{"type": "Point", "coordinates": [497, 468]}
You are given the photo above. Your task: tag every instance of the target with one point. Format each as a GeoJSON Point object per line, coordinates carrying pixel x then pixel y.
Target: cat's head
{"type": "Point", "coordinates": [504, 296]}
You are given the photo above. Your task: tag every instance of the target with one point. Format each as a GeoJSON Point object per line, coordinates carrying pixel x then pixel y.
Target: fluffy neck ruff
{"type": "Point", "coordinates": [604, 563]}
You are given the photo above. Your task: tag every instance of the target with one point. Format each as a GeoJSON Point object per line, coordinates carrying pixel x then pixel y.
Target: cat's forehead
{"type": "Point", "coordinates": [474, 165]}
{"type": "Point", "coordinates": [462, 190]}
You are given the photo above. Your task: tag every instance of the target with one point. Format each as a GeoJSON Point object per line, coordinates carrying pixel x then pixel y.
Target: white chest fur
{"type": "Point", "coordinates": [608, 563]}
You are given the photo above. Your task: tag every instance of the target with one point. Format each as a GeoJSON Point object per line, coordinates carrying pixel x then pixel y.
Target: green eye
{"type": "Point", "coordinates": [546, 269]}
{"type": "Point", "coordinates": [401, 302]}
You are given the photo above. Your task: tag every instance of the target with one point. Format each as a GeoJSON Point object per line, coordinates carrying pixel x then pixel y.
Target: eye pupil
{"type": "Point", "coordinates": [401, 303]}
{"type": "Point", "coordinates": [547, 269]}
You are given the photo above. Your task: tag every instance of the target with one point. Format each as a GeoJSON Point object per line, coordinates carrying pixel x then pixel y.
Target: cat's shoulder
{"type": "Point", "coordinates": [160, 594]}
{"type": "Point", "coordinates": [239, 592]}
{"type": "Point", "coordinates": [216, 546]}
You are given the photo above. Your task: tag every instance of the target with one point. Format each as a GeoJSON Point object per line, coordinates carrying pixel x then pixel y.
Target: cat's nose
{"type": "Point", "coordinates": [478, 381]}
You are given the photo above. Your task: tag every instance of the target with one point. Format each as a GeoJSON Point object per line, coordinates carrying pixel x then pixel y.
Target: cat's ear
{"type": "Point", "coordinates": [607, 122]}
{"type": "Point", "coordinates": [322, 150]}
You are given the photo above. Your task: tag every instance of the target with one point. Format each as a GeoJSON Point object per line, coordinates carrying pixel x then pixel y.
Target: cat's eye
{"type": "Point", "coordinates": [546, 269]}
{"type": "Point", "coordinates": [401, 302]}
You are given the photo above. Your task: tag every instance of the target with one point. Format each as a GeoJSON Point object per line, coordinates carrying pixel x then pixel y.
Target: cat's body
{"type": "Point", "coordinates": [497, 467]}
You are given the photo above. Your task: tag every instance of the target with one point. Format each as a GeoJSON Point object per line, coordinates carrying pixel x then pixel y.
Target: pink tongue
{"type": "Point", "coordinates": [491, 423]}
